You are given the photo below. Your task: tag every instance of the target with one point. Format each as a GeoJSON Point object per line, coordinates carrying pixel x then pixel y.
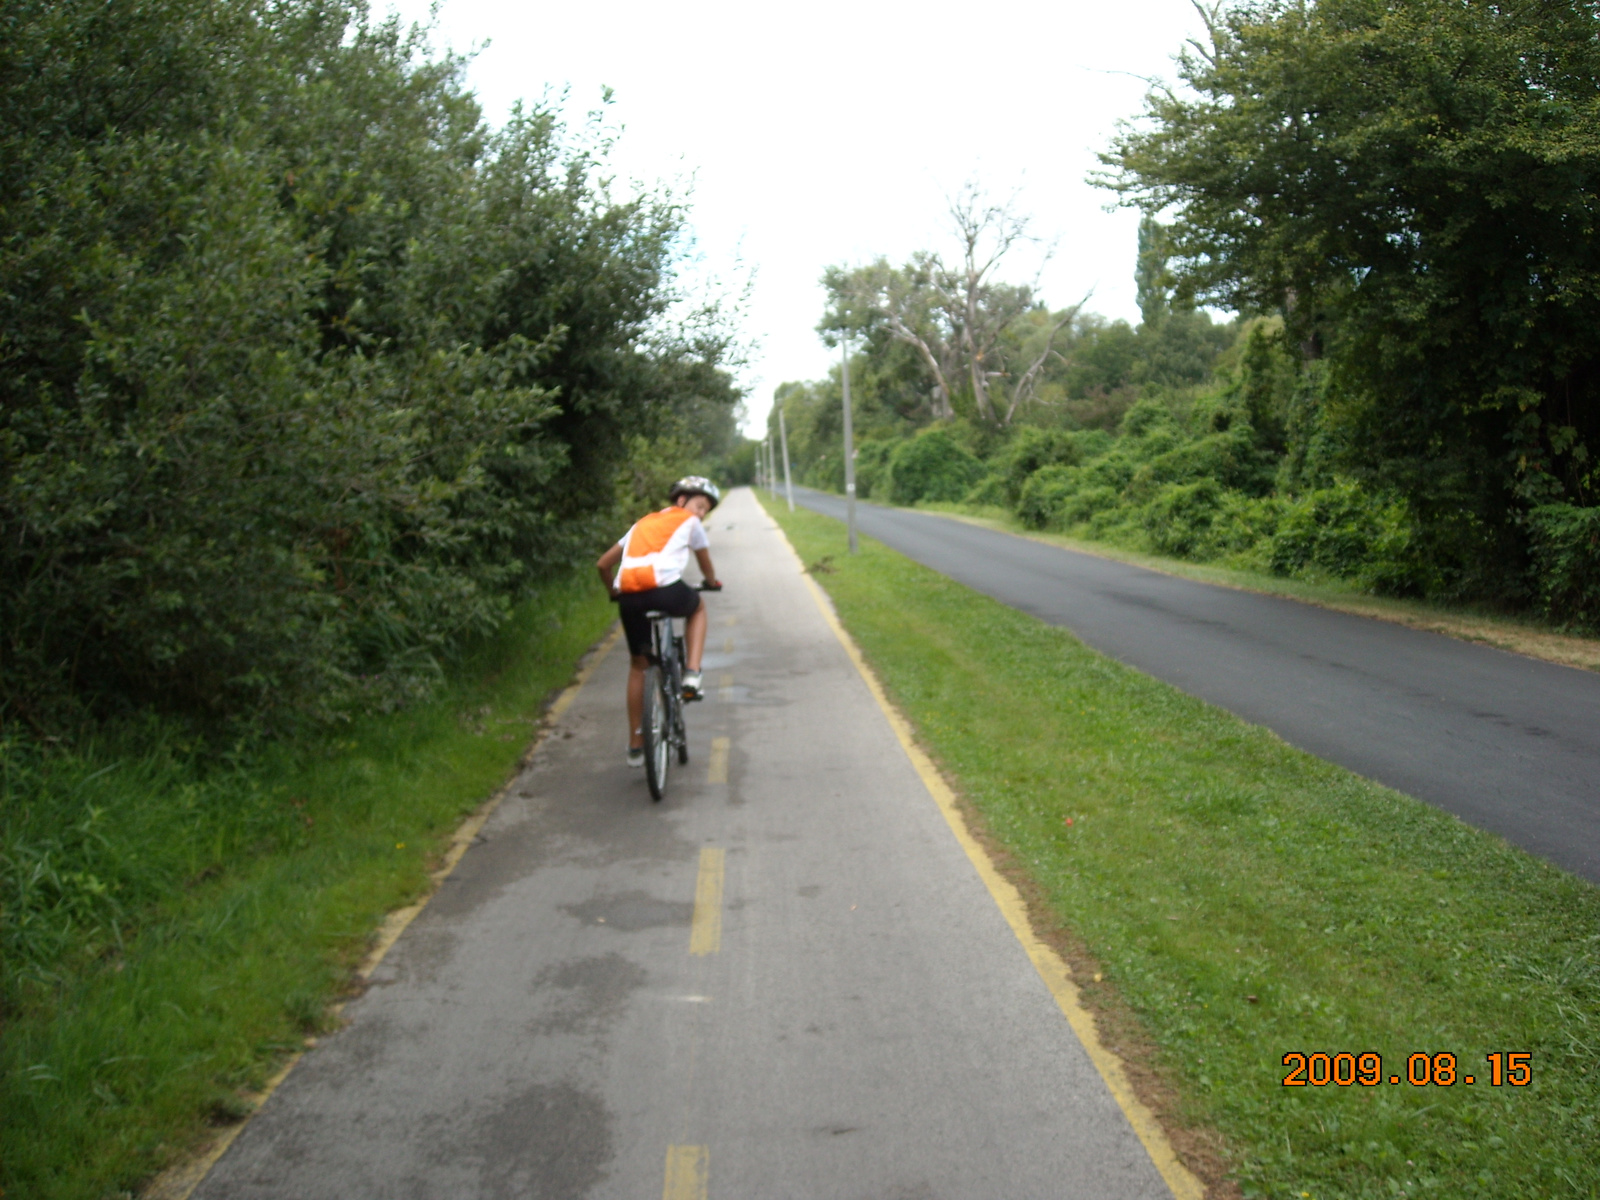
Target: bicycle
{"type": "Point", "coordinates": [663, 730]}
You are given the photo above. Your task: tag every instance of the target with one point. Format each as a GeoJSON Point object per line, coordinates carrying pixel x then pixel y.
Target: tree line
{"type": "Point", "coordinates": [307, 373]}
{"type": "Point", "coordinates": [1399, 200]}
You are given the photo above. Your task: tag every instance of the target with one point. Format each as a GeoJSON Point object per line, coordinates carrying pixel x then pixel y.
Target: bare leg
{"type": "Point", "coordinates": [636, 669]}
{"type": "Point", "coordinates": [695, 635]}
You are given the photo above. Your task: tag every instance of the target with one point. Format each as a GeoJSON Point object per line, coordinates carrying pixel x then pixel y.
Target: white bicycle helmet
{"type": "Point", "coordinates": [696, 485]}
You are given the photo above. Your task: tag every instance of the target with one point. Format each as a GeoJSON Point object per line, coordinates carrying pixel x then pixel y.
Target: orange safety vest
{"type": "Point", "coordinates": [646, 540]}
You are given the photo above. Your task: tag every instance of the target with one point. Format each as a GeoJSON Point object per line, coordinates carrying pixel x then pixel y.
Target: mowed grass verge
{"type": "Point", "coordinates": [262, 885]}
{"type": "Point", "coordinates": [1243, 900]}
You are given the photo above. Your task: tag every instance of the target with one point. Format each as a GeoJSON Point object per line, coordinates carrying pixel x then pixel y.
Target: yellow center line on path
{"type": "Point", "coordinates": [687, 1171]}
{"type": "Point", "coordinates": [717, 772]}
{"type": "Point", "coordinates": [705, 931]}
{"type": "Point", "coordinates": [727, 646]}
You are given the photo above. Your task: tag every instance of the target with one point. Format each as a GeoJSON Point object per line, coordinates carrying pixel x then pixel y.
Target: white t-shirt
{"type": "Point", "coordinates": [656, 550]}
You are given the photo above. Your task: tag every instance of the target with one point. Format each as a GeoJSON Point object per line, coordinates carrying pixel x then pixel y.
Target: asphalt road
{"type": "Point", "coordinates": [1507, 743]}
{"type": "Point", "coordinates": [786, 980]}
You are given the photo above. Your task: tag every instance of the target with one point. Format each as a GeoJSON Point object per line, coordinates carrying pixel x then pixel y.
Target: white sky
{"type": "Point", "coordinates": [832, 132]}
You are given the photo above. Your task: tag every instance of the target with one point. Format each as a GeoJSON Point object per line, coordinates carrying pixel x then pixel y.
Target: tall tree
{"type": "Point", "coordinates": [1413, 185]}
{"type": "Point", "coordinates": [305, 374]}
{"type": "Point", "coordinates": [956, 312]}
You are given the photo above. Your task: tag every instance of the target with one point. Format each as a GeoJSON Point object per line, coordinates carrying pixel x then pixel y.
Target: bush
{"type": "Point", "coordinates": [1114, 470]}
{"type": "Point", "coordinates": [1565, 541]}
{"type": "Point", "coordinates": [1146, 418]}
{"type": "Point", "coordinates": [1030, 449]}
{"type": "Point", "coordinates": [1230, 458]}
{"type": "Point", "coordinates": [872, 466]}
{"type": "Point", "coordinates": [1179, 517]}
{"type": "Point", "coordinates": [1244, 523]}
{"type": "Point", "coordinates": [1203, 520]}
{"type": "Point", "coordinates": [931, 466]}
{"type": "Point", "coordinates": [1087, 505]}
{"type": "Point", "coordinates": [1347, 532]}
{"type": "Point", "coordinates": [826, 472]}
{"type": "Point", "coordinates": [1044, 493]}
{"type": "Point", "coordinates": [989, 492]}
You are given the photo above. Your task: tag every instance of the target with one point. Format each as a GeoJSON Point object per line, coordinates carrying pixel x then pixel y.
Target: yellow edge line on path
{"type": "Point", "coordinates": [178, 1182]}
{"type": "Point", "coordinates": [1050, 965]}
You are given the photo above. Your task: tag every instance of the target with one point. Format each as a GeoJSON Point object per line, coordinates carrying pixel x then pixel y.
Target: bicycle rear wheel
{"type": "Point", "coordinates": [680, 736]}
{"type": "Point", "coordinates": [657, 732]}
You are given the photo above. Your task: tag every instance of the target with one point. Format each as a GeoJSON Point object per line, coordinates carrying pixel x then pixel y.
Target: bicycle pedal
{"type": "Point", "coordinates": [691, 697]}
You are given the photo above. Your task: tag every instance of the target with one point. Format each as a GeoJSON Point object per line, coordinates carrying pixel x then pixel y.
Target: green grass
{"type": "Point", "coordinates": [1208, 862]}
{"type": "Point", "coordinates": [174, 928]}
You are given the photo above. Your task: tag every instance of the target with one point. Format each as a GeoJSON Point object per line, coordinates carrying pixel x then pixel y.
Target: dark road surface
{"type": "Point", "coordinates": [1507, 743]}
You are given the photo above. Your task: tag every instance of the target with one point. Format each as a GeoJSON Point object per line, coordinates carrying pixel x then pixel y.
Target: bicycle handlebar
{"type": "Point", "coordinates": [710, 587]}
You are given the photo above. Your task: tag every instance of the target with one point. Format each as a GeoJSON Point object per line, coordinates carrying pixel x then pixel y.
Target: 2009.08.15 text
{"type": "Point", "coordinates": [1422, 1070]}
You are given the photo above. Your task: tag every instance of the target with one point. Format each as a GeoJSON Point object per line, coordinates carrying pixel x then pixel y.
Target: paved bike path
{"type": "Point", "coordinates": [1507, 743]}
{"type": "Point", "coordinates": [566, 1019]}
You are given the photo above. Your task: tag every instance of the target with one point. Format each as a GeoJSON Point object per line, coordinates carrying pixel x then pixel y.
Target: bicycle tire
{"type": "Point", "coordinates": [657, 733]}
{"type": "Point", "coordinates": [680, 735]}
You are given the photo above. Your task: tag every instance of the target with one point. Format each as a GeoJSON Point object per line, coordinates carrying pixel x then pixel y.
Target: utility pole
{"type": "Point", "coordinates": [849, 445]}
{"type": "Point", "coordinates": [783, 437]}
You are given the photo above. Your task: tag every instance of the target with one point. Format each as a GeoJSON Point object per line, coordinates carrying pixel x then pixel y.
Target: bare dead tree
{"type": "Point", "coordinates": [979, 310]}
{"type": "Point", "coordinates": [1023, 389]}
{"type": "Point", "coordinates": [954, 314]}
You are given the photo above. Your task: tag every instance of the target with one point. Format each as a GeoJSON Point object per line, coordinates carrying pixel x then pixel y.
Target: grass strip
{"type": "Point", "coordinates": [1244, 900]}
{"type": "Point", "coordinates": [116, 1059]}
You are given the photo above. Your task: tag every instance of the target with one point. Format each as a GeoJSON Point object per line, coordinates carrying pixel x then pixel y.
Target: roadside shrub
{"type": "Point", "coordinates": [1043, 494]}
{"type": "Point", "coordinates": [1245, 524]}
{"type": "Point", "coordinates": [1230, 458]}
{"type": "Point", "coordinates": [872, 466]}
{"type": "Point", "coordinates": [1347, 532]}
{"type": "Point", "coordinates": [931, 466]}
{"type": "Point", "coordinates": [990, 491]}
{"type": "Point", "coordinates": [1030, 449]}
{"type": "Point", "coordinates": [1086, 505]}
{"type": "Point", "coordinates": [1179, 517]}
{"type": "Point", "coordinates": [826, 472]}
{"type": "Point", "coordinates": [1565, 541]}
{"type": "Point", "coordinates": [1204, 521]}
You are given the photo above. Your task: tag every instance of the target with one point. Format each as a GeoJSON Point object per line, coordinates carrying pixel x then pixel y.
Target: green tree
{"type": "Point", "coordinates": [306, 375]}
{"type": "Point", "coordinates": [1410, 183]}
{"type": "Point", "coordinates": [1152, 276]}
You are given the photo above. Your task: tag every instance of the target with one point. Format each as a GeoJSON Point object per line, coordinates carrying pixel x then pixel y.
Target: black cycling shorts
{"type": "Point", "coordinates": [676, 599]}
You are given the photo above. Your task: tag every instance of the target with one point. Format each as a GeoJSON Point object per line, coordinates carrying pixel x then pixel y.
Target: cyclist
{"type": "Point", "coordinates": [651, 557]}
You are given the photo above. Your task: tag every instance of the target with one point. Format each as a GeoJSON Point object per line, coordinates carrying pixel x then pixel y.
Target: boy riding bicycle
{"type": "Point", "coordinates": [652, 556]}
